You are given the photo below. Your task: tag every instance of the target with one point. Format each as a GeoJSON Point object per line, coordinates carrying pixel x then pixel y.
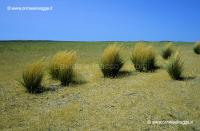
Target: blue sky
{"type": "Point", "coordinates": [98, 20]}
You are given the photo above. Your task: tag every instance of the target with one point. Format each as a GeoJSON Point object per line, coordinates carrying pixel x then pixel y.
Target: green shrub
{"type": "Point", "coordinates": [111, 61]}
{"type": "Point", "coordinates": [143, 58]}
{"type": "Point", "coordinates": [61, 67]}
{"type": "Point", "coordinates": [175, 67]}
{"type": "Point", "coordinates": [32, 77]}
{"type": "Point", "coordinates": [168, 51]}
{"type": "Point", "coordinates": [197, 48]}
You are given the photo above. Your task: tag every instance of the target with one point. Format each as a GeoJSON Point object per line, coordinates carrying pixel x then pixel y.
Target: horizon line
{"type": "Point", "coordinates": [98, 40]}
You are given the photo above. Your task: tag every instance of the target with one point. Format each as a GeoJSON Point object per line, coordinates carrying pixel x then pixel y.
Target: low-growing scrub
{"type": "Point", "coordinates": [32, 77]}
{"type": "Point", "coordinates": [175, 67]}
{"type": "Point", "coordinates": [167, 51]}
{"type": "Point", "coordinates": [111, 61]}
{"type": "Point", "coordinates": [197, 48]}
{"type": "Point", "coordinates": [143, 57]}
{"type": "Point", "coordinates": [61, 67]}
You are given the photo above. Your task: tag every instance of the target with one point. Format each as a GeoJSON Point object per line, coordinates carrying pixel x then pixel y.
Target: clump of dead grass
{"type": "Point", "coordinates": [111, 61]}
{"type": "Point", "coordinates": [61, 67]}
{"type": "Point", "coordinates": [143, 57]}
{"type": "Point", "coordinates": [32, 77]}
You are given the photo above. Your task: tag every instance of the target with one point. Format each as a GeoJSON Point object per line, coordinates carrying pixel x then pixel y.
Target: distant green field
{"type": "Point", "coordinates": [127, 102]}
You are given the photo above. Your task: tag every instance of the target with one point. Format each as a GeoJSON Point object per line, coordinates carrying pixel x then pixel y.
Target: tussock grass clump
{"type": "Point", "coordinates": [61, 67]}
{"type": "Point", "coordinates": [111, 61]}
{"type": "Point", "coordinates": [175, 67]}
{"type": "Point", "coordinates": [167, 51]}
{"type": "Point", "coordinates": [32, 77]}
{"type": "Point", "coordinates": [197, 48]}
{"type": "Point", "coordinates": [143, 57]}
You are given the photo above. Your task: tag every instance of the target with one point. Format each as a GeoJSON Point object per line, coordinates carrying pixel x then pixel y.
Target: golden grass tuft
{"type": "Point", "coordinates": [168, 51]}
{"type": "Point", "coordinates": [111, 61]}
{"type": "Point", "coordinates": [175, 67]}
{"type": "Point", "coordinates": [197, 48]}
{"type": "Point", "coordinates": [143, 57]}
{"type": "Point", "coordinates": [61, 67]}
{"type": "Point", "coordinates": [32, 77]}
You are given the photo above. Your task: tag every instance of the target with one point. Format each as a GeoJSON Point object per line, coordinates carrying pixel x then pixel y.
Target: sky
{"type": "Point", "coordinates": [101, 20]}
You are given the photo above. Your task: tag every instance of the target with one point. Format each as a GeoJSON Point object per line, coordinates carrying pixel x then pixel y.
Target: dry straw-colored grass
{"type": "Point", "coordinates": [143, 57]}
{"type": "Point", "coordinates": [175, 67]}
{"type": "Point", "coordinates": [168, 51]}
{"type": "Point", "coordinates": [32, 77]}
{"type": "Point", "coordinates": [61, 67]}
{"type": "Point", "coordinates": [197, 48]}
{"type": "Point", "coordinates": [111, 61]}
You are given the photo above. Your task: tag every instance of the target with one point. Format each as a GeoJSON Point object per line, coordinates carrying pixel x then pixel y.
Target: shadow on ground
{"type": "Point", "coordinates": [187, 78]}
{"type": "Point", "coordinates": [55, 87]}
{"type": "Point", "coordinates": [124, 73]}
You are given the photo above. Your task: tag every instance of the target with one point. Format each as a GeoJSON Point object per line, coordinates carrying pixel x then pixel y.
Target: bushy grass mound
{"type": "Point", "coordinates": [197, 48]}
{"type": "Point", "coordinates": [32, 77]}
{"type": "Point", "coordinates": [111, 61]}
{"type": "Point", "coordinates": [175, 67]}
{"type": "Point", "coordinates": [143, 57]}
{"type": "Point", "coordinates": [168, 51]}
{"type": "Point", "coordinates": [61, 67]}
